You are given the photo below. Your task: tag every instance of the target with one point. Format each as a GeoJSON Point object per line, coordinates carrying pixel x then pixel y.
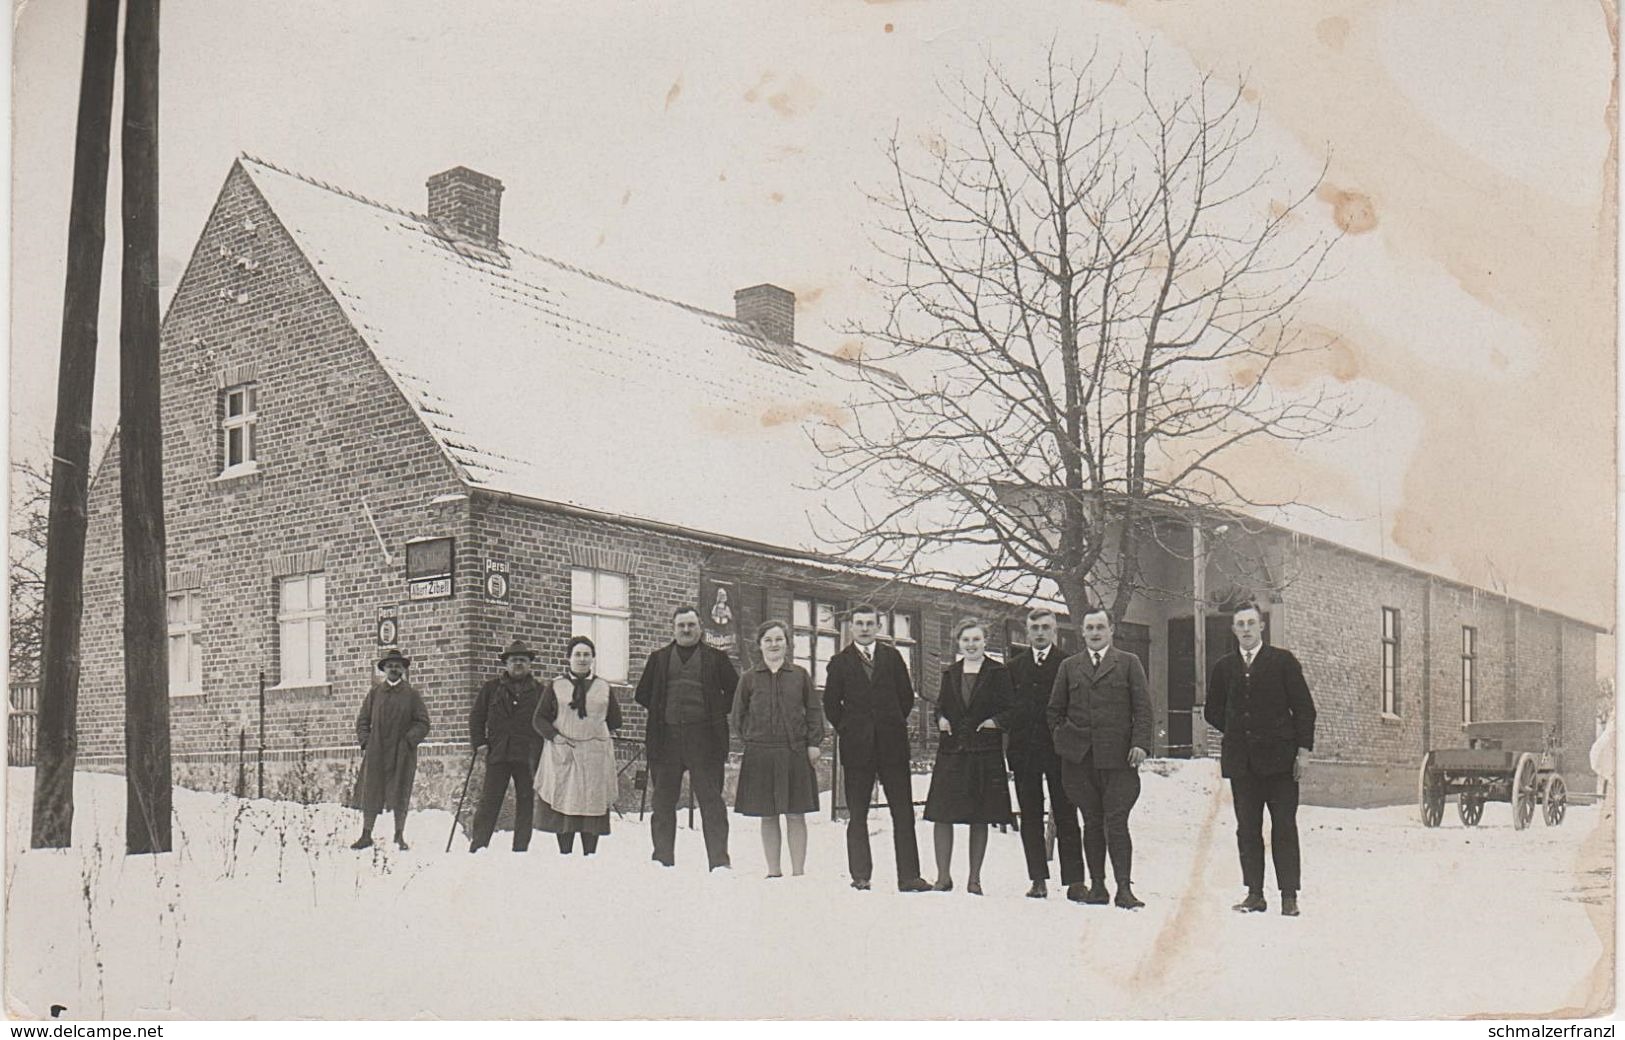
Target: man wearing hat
{"type": "Point", "coordinates": [500, 722]}
{"type": "Point", "coordinates": [391, 724]}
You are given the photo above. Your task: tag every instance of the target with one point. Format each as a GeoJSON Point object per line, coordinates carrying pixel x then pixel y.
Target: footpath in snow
{"type": "Point", "coordinates": [264, 912]}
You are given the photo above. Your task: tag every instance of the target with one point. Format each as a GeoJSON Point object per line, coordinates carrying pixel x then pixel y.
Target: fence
{"type": "Point", "coordinates": [21, 724]}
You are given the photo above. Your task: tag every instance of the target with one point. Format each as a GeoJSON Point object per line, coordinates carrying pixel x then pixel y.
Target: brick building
{"type": "Point", "coordinates": [383, 425]}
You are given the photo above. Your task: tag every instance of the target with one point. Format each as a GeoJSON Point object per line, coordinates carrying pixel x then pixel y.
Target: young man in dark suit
{"type": "Point", "coordinates": [688, 688]}
{"type": "Point", "coordinates": [1258, 699]}
{"type": "Point", "coordinates": [867, 698]}
{"type": "Point", "coordinates": [1031, 756]}
{"type": "Point", "coordinates": [1101, 720]}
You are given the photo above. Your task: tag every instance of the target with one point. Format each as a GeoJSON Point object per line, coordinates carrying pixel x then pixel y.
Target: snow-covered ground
{"type": "Point", "coordinates": [263, 912]}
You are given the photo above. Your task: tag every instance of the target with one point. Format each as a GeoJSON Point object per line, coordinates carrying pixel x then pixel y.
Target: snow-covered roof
{"type": "Point", "coordinates": [543, 380]}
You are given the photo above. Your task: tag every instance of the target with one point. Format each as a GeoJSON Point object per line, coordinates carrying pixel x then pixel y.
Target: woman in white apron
{"type": "Point", "coordinates": [578, 781]}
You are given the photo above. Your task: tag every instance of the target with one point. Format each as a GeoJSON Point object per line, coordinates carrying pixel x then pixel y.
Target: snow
{"type": "Point", "coordinates": [527, 371]}
{"type": "Point", "coordinates": [263, 912]}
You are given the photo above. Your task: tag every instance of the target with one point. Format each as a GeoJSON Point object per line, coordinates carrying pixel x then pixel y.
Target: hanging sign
{"type": "Point", "coordinates": [719, 609]}
{"type": "Point", "coordinates": [389, 627]}
{"type": "Point", "coordinates": [496, 580]}
{"type": "Point", "coordinates": [429, 568]}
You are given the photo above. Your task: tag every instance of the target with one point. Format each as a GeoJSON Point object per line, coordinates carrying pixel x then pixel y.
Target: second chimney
{"type": "Point", "coordinates": [467, 204]}
{"type": "Point", "coordinates": [771, 309]}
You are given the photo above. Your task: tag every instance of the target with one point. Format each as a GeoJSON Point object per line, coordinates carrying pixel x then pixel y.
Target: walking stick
{"type": "Point", "coordinates": [460, 798]}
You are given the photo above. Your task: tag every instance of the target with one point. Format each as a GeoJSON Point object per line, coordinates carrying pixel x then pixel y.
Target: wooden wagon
{"type": "Point", "coordinates": [1508, 761]}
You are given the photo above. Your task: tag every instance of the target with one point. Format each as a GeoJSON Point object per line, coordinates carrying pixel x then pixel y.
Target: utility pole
{"type": "Point", "coordinates": [57, 735]}
{"type": "Point", "coordinates": [141, 456]}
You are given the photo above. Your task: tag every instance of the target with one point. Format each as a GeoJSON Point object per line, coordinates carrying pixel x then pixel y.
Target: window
{"type": "Point", "coordinates": [816, 636]}
{"type": "Point", "coordinates": [185, 612]}
{"type": "Point", "coordinates": [1469, 663]}
{"type": "Point", "coordinates": [239, 445]}
{"type": "Point", "coordinates": [600, 609]}
{"type": "Point", "coordinates": [302, 623]}
{"type": "Point", "coordinates": [1390, 661]}
{"type": "Point", "coordinates": [900, 629]}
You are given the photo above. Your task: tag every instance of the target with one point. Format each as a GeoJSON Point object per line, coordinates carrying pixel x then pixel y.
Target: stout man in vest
{"type": "Point", "coordinates": [1100, 718]}
{"type": "Point", "coordinates": [688, 689]}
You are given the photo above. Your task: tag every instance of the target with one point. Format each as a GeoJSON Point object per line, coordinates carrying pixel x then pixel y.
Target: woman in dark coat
{"type": "Point", "coordinates": [575, 715]}
{"type": "Point", "coordinates": [392, 722]}
{"type": "Point", "coordinates": [968, 781]}
{"type": "Point", "coordinates": [780, 718]}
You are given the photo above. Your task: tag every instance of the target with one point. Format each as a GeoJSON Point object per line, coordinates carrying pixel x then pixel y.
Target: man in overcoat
{"type": "Point", "coordinates": [501, 721]}
{"type": "Point", "coordinates": [1101, 720]}
{"type": "Point", "coordinates": [392, 722]}
{"type": "Point", "coordinates": [688, 688]}
{"type": "Point", "coordinates": [867, 698]}
{"type": "Point", "coordinates": [1258, 698]}
{"type": "Point", "coordinates": [1030, 753]}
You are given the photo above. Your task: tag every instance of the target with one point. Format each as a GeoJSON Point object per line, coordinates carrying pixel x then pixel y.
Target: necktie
{"type": "Point", "coordinates": [868, 653]}
{"type": "Point", "coordinates": [1038, 658]}
{"type": "Point", "coordinates": [1096, 654]}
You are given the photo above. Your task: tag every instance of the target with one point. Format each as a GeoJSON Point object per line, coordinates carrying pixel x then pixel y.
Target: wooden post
{"type": "Point", "coordinates": [56, 735]}
{"type": "Point", "coordinates": [146, 642]}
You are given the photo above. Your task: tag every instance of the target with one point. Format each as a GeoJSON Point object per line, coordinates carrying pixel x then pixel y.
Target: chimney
{"type": "Point", "coordinates": [770, 309]}
{"type": "Point", "coordinates": [467, 205]}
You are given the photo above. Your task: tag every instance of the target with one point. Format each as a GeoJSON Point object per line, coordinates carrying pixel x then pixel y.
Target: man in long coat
{"type": "Point", "coordinates": [1033, 761]}
{"type": "Point", "coordinates": [392, 722]}
{"type": "Point", "coordinates": [688, 688]}
{"type": "Point", "coordinates": [1257, 697]}
{"type": "Point", "coordinates": [1100, 718]}
{"type": "Point", "coordinates": [501, 721]}
{"type": "Point", "coordinates": [867, 698]}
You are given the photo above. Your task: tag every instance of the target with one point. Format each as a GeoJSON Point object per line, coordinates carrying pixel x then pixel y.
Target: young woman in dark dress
{"type": "Point", "coordinates": [781, 721]}
{"type": "Point", "coordinates": [968, 781]}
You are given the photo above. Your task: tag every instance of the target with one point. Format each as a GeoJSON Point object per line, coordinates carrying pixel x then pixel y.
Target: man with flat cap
{"type": "Point", "coordinates": [501, 722]}
{"type": "Point", "coordinates": [392, 722]}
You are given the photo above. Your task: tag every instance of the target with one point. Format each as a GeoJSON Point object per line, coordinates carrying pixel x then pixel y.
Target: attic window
{"type": "Point", "coordinates": [239, 417]}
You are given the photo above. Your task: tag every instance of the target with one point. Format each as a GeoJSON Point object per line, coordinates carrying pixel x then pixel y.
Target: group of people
{"type": "Point", "coordinates": [1078, 725]}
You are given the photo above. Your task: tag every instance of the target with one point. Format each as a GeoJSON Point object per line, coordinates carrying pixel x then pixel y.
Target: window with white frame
{"type": "Point", "coordinates": [185, 616]}
{"type": "Point", "coordinates": [815, 636]}
{"type": "Point", "coordinates": [1390, 661]}
{"type": "Point", "coordinates": [601, 610]}
{"type": "Point", "coordinates": [901, 629]}
{"type": "Point", "coordinates": [1469, 666]}
{"type": "Point", "coordinates": [239, 417]}
{"type": "Point", "coordinates": [302, 626]}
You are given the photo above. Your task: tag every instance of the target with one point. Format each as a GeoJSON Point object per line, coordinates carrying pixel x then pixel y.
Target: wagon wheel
{"type": "Point", "coordinates": [1525, 791]}
{"type": "Point", "coordinates": [1470, 807]}
{"type": "Point", "coordinates": [1430, 792]}
{"type": "Point", "coordinates": [1556, 802]}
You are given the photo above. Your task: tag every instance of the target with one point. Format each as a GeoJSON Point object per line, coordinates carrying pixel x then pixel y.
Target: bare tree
{"type": "Point", "coordinates": [30, 516]}
{"type": "Point", "coordinates": [1090, 282]}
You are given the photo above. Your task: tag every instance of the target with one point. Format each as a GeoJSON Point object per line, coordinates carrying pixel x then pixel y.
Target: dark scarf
{"type": "Point", "coordinates": [578, 699]}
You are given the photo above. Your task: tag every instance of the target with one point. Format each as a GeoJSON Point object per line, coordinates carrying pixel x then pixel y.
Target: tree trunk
{"type": "Point", "coordinates": [146, 650]}
{"type": "Point", "coordinates": [57, 736]}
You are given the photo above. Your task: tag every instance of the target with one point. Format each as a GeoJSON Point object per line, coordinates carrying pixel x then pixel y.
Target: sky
{"type": "Point", "coordinates": [691, 150]}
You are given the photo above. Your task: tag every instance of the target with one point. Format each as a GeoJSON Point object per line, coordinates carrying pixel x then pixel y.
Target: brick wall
{"type": "Point", "coordinates": [334, 436]}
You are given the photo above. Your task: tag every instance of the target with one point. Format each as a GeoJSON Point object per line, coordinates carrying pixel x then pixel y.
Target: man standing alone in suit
{"type": "Point", "coordinates": [867, 698]}
{"type": "Point", "coordinates": [1258, 699]}
{"type": "Point", "coordinates": [1032, 759]}
{"type": "Point", "coordinates": [1100, 718]}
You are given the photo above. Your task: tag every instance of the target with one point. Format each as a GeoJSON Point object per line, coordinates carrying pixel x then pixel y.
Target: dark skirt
{"type": "Point", "coordinates": [968, 787]}
{"type": "Point", "coordinates": [554, 822]}
{"type": "Point", "coordinates": [774, 781]}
